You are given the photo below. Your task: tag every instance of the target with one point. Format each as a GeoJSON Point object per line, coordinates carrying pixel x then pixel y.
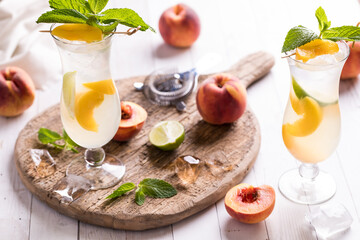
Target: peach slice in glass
{"type": "Point", "coordinates": [311, 116]}
{"type": "Point", "coordinates": [104, 86]}
{"type": "Point", "coordinates": [78, 32]}
{"type": "Point", "coordinates": [316, 48]}
{"type": "Point", "coordinates": [85, 103]}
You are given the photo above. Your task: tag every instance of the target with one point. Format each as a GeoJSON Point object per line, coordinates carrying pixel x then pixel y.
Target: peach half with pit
{"type": "Point", "coordinates": [249, 204]}
{"type": "Point", "coordinates": [133, 117]}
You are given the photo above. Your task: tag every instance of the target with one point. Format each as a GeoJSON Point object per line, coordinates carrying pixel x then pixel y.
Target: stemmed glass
{"type": "Point", "coordinates": [90, 108]}
{"type": "Point", "coordinates": [311, 125]}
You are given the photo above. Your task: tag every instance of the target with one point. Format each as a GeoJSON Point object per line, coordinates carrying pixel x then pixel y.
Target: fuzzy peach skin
{"type": "Point", "coordinates": [351, 67]}
{"type": "Point", "coordinates": [221, 99]}
{"type": "Point", "coordinates": [133, 117]}
{"type": "Point", "coordinates": [17, 91]}
{"type": "Point", "coordinates": [179, 26]}
{"type": "Point", "coordinates": [249, 204]}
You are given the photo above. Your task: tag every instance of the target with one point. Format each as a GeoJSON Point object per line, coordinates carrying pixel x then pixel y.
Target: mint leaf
{"type": "Point", "coordinates": [139, 196]}
{"type": "Point", "coordinates": [69, 143]}
{"type": "Point", "coordinates": [62, 16]}
{"type": "Point", "coordinates": [298, 36]}
{"type": "Point", "coordinates": [105, 28]}
{"type": "Point", "coordinates": [322, 19]}
{"type": "Point", "coordinates": [347, 33]}
{"type": "Point", "coordinates": [97, 5]}
{"type": "Point", "coordinates": [124, 188]}
{"type": "Point", "coordinates": [157, 188]}
{"type": "Point", "coordinates": [81, 6]}
{"type": "Point", "coordinates": [47, 136]}
{"type": "Point", "coordinates": [125, 17]}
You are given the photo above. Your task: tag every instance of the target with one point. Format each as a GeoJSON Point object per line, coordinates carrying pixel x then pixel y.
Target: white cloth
{"type": "Point", "coordinates": [22, 45]}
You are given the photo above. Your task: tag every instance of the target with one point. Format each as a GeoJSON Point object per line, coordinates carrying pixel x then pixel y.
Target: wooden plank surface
{"type": "Point", "coordinates": [227, 152]}
{"type": "Point", "coordinates": [231, 28]}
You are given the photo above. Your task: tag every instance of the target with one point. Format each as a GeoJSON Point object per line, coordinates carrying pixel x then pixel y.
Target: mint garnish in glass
{"type": "Point", "coordinates": [300, 35]}
{"type": "Point", "coordinates": [90, 12]}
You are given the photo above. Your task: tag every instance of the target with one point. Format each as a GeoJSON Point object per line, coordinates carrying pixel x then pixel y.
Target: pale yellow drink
{"type": "Point", "coordinates": [311, 124]}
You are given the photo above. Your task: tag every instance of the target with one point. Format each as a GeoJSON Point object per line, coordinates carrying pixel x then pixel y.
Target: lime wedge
{"type": "Point", "coordinates": [167, 135]}
{"type": "Point", "coordinates": [68, 91]}
{"type": "Point", "coordinates": [301, 93]}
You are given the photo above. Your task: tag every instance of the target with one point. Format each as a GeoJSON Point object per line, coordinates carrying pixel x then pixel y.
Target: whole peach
{"type": "Point", "coordinates": [17, 91]}
{"type": "Point", "coordinates": [179, 26]}
{"type": "Point", "coordinates": [352, 65]}
{"type": "Point", "coordinates": [221, 99]}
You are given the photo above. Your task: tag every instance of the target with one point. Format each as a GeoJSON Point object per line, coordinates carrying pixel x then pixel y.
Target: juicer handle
{"type": "Point", "coordinates": [250, 68]}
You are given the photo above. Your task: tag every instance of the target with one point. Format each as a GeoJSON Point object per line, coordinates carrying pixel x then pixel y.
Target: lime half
{"type": "Point", "coordinates": [167, 135]}
{"type": "Point", "coordinates": [68, 91]}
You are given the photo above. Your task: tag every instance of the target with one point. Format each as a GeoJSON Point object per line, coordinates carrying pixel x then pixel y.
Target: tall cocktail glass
{"type": "Point", "coordinates": [90, 108]}
{"type": "Point", "coordinates": [311, 125]}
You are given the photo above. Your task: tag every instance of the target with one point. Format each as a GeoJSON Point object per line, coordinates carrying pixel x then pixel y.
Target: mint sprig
{"type": "Point", "coordinates": [298, 36]}
{"type": "Point", "coordinates": [89, 12]}
{"type": "Point", "coordinates": [150, 187]}
{"type": "Point", "coordinates": [46, 136]}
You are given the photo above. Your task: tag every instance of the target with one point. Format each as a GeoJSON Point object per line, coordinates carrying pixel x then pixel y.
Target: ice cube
{"type": "Point", "coordinates": [187, 168]}
{"type": "Point", "coordinates": [343, 49]}
{"type": "Point", "coordinates": [44, 163]}
{"type": "Point", "coordinates": [323, 60]}
{"type": "Point", "coordinates": [71, 188]}
{"type": "Point", "coordinates": [329, 219]}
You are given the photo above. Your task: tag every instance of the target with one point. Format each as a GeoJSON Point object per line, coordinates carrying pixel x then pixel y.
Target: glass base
{"type": "Point", "coordinates": [306, 191]}
{"type": "Point", "coordinates": [106, 175]}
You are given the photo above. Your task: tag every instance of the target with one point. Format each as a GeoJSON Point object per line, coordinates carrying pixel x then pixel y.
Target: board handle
{"type": "Point", "coordinates": [250, 68]}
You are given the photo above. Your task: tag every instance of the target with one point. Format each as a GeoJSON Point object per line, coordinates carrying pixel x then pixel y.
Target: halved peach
{"type": "Point", "coordinates": [250, 204]}
{"type": "Point", "coordinates": [133, 117]}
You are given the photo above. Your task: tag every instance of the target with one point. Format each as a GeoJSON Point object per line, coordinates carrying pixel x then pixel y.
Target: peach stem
{"type": "Point", "coordinates": [178, 9]}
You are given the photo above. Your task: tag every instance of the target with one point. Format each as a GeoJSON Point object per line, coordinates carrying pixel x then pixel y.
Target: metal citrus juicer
{"type": "Point", "coordinates": [169, 86]}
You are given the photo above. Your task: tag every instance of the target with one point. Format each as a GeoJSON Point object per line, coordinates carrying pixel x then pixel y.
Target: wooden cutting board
{"type": "Point", "coordinates": [227, 153]}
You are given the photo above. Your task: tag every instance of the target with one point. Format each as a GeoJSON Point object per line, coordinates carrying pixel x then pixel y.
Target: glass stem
{"type": "Point", "coordinates": [309, 171]}
{"type": "Point", "coordinates": [94, 156]}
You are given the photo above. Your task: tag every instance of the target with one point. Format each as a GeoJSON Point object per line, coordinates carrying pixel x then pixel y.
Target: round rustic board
{"type": "Point", "coordinates": [227, 153]}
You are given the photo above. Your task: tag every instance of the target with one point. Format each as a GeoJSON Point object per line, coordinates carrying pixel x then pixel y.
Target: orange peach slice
{"type": "Point", "coordinates": [85, 104]}
{"type": "Point", "coordinates": [250, 204]}
{"type": "Point", "coordinates": [104, 86]}
{"type": "Point", "coordinates": [78, 32]}
{"type": "Point", "coordinates": [316, 48]}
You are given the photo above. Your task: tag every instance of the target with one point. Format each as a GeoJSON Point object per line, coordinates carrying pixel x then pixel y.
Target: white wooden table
{"type": "Point", "coordinates": [231, 28]}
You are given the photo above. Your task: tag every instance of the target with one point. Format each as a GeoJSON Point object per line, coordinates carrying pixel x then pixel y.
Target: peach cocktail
{"type": "Point", "coordinates": [311, 123]}
{"type": "Point", "coordinates": [90, 105]}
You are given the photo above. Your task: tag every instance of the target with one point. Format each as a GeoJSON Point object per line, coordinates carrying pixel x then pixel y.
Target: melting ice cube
{"type": "Point", "coordinates": [187, 168]}
{"type": "Point", "coordinates": [329, 220]}
{"type": "Point", "coordinates": [44, 163]}
{"type": "Point", "coordinates": [71, 188]}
